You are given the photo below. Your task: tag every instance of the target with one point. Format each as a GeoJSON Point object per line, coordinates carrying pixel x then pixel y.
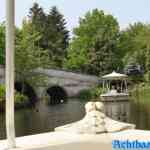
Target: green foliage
{"type": "Point", "coordinates": [28, 55]}
{"type": "Point", "coordinates": [59, 36]}
{"type": "Point", "coordinates": [94, 46]}
{"type": "Point", "coordinates": [21, 99]}
{"type": "Point", "coordinates": [85, 94]}
{"type": "Point", "coordinates": [97, 47]}
{"type": "Point", "coordinates": [53, 32]}
{"type": "Point", "coordinates": [96, 92]}
{"type": "Point", "coordinates": [2, 44]}
{"type": "Point", "coordinates": [37, 17]}
{"type": "Point", "coordinates": [135, 43]}
{"type": "Point", "coordinates": [2, 92]}
{"type": "Point", "coordinates": [90, 94]}
{"type": "Point", "coordinates": [41, 42]}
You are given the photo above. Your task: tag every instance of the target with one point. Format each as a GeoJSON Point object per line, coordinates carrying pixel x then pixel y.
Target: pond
{"type": "Point", "coordinates": [44, 118]}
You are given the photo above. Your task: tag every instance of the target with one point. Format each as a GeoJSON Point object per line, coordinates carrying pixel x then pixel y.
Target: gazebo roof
{"type": "Point", "coordinates": [115, 76]}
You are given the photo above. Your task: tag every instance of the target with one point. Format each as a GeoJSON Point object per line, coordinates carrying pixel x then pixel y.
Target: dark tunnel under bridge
{"type": "Point", "coordinates": [56, 95]}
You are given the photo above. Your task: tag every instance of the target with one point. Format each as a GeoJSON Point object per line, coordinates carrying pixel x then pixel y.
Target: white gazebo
{"type": "Point", "coordinates": [115, 76]}
{"type": "Point", "coordinates": [109, 92]}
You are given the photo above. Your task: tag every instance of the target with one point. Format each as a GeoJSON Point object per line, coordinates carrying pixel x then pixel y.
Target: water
{"type": "Point", "coordinates": [130, 112]}
{"type": "Point", "coordinates": [45, 118]}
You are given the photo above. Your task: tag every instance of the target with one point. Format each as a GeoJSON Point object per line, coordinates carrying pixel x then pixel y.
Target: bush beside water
{"type": "Point", "coordinates": [20, 99]}
{"type": "Point", "coordinates": [2, 93]}
{"type": "Point", "coordinates": [88, 94]}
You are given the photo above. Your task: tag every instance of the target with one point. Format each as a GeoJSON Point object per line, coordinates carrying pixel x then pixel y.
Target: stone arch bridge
{"type": "Point", "coordinates": [66, 82]}
{"type": "Point", "coordinates": [71, 82]}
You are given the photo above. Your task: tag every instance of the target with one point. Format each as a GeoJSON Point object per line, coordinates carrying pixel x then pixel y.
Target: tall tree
{"type": "Point", "coordinates": [58, 36]}
{"type": "Point", "coordinates": [28, 55]}
{"type": "Point", "coordinates": [93, 48]}
{"type": "Point", "coordinates": [134, 42]}
{"type": "Point", "coordinates": [38, 19]}
{"type": "Point", "coordinates": [54, 35]}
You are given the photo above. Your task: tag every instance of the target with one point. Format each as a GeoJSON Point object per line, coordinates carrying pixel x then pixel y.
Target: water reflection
{"type": "Point", "coordinates": [31, 121]}
{"type": "Point", "coordinates": [140, 115]}
{"type": "Point", "coordinates": [45, 118]}
{"type": "Point", "coordinates": [118, 110]}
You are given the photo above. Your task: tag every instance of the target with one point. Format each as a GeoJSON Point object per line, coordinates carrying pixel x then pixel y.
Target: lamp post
{"type": "Point", "coordinates": [10, 38]}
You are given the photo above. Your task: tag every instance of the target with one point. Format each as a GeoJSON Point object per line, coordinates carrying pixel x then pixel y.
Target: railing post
{"type": "Point", "coordinates": [10, 38]}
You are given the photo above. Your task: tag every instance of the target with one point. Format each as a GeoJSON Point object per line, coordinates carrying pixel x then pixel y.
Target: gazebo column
{"type": "Point", "coordinates": [10, 38]}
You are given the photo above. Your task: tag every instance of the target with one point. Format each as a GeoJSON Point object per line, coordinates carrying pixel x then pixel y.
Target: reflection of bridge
{"type": "Point", "coordinates": [69, 82]}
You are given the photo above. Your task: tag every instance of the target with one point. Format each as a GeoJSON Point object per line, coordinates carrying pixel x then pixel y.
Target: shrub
{"type": "Point", "coordinates": [2, 92]}
{"type": "Point", "coordinates": [88, 94]}
{"type": "Point", "coordinates": [96, 92]}
{"type": "Point", "coordinates": [20, 98]}
{"type": "Point", "coordinates": [85, 94]}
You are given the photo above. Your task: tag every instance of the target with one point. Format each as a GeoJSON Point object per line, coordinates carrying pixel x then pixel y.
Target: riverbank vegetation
{"type": "Point", "coordinates": [90, 94]}
{"type": "Point", "coordinates": [141, 94]}
{"type": "Point", "coordinates": [20, 99]}
{"type": "Point", "coordinates": [97, 46]}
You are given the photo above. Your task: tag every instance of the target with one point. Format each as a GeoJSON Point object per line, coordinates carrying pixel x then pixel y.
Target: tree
{"type": "Point", "coordinates": [58, 36]}
{"type": "Point", "coordinates": [38, 19]}
{"type": "Point", "coordinates": [134, 42]}
{"type": "Point", "coordinates": [93, 48]}
{"type": "Point", "coordinates": [143, 40]}
{"type": "Point", "coordinates": [2, 44]}
{"type": "Point", "coordinates": [37, 16]}
{"type": "Point", "coordinates": [28, 55]}
{"type": "Point", "coordinates": [54, 35]}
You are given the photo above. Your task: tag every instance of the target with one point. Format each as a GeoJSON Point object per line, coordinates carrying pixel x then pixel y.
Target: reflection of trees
{"type": "Point", "coordinates": [136, 113]}
{"type": "Point", "coordinates": [140, 115]}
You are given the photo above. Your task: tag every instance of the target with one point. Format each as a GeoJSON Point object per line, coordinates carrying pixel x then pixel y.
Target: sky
{"type": "Point", "coordinates": [126, 11]}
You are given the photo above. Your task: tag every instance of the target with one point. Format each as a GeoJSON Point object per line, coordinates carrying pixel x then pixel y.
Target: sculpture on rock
{"type": "Point", "coordinates": [95, 122]}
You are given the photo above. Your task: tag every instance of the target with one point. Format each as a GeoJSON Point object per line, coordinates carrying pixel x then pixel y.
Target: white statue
{"type": "Point", "coordinates": [95, 121]}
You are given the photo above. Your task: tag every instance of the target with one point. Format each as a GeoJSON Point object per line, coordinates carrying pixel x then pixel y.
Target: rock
{"type": "Point", "coordinates": [95, 122]}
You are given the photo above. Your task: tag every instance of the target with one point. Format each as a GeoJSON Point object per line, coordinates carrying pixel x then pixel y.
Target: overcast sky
{"type": "Point", "coordinates": [126, 11]}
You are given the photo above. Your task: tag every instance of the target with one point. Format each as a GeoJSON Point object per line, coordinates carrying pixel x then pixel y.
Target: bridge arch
{"type": "Point", "coordinates": [27, 90]}
{"type": "Point", "coordinates": [57, 94]}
